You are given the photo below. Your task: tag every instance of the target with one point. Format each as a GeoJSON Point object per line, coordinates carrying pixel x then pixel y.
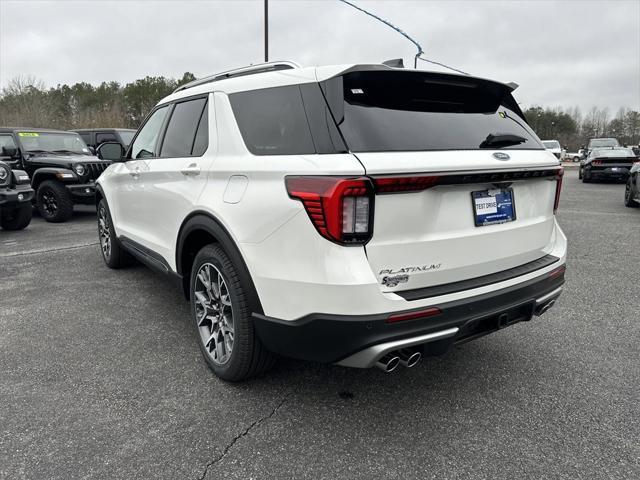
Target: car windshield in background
{"type": "Point", "coordinates": [126, 137]}
{"type": "Point", "coordinates": [551, 145]}
{"type": "Point", "coordinates": [614, 152]}
{"type": "Point", "coordinates": [603, 142]}
{"type": "Point", "coordinates": [417, 111]}
{"type": "Point", "coordinates": [52, 142]}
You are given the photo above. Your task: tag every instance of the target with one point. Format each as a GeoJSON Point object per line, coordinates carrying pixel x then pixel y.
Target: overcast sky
{"type": "Point", "coordinates": [562, 53]}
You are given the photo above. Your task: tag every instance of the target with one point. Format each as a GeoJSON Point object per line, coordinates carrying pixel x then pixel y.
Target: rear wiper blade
{"type": "Point", "coordinates": [502, 140]}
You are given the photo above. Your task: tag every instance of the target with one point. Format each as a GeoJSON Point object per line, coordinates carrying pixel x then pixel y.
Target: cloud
{"type": "Point", "coordinates": [571, 53]}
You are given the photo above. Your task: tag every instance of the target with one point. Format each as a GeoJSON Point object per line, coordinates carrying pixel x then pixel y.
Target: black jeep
{"type": "Point", "coordinates": [15, 198]}
{"type": "Point", "coordinates": [62, 168]}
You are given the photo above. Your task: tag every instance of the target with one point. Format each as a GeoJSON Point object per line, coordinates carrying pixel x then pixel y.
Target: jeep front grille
{"type": "Point", "coordinates": [95, 169]}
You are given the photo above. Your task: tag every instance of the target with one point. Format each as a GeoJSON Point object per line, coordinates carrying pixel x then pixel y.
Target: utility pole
{"type": "Point", "coordinates": [266, 30]}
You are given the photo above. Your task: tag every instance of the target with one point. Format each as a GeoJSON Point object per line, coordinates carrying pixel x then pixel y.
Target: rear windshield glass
{"type": "Point", "coordinates": [603, 142]}
{"type": "Point", "coordinates": [614, 152]}
{"type": "Point", "coordinates": [411, 111]}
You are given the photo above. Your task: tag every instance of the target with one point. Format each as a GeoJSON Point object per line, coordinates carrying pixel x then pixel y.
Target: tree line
{"type": "Point", "coordinates": [27, 102]}
{"type": "Point", "coordinates": [573, 129]}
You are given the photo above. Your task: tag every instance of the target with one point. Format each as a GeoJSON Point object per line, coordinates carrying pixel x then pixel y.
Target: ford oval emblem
{"type": "Point", "coordinates": [501, 156]}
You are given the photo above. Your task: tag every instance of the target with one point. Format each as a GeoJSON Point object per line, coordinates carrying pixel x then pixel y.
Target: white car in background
{"type": "Point", "coordinates": [352, 214]}
{"type": "Point", "coordinates": [554, 147]}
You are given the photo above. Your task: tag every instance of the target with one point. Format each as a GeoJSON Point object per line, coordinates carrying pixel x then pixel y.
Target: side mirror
{"type": "Point", "coordinates": [110, 151]}
{"type": "Point", "coordinates": [10, 152]}
{"type": "Point", "coordinates": [92, 150]}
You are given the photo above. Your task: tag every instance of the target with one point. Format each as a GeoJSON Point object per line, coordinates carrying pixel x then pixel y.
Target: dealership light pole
{"type": "Point", "coordinates": [266, 30]}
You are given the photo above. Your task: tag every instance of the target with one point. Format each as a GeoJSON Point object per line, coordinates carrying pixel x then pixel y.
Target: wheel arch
{"type": "Point", "coordinates": [48, 173]}
{"type": "Point", "coordinates": [200, 229]}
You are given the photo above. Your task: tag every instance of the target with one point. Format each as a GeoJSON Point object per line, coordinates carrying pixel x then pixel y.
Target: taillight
{"type": "Point", "coordinates": [597, 162]}
{"type": "Point", "coordinates": [404, 184]}
{"type": "Point", "coordinates": [341, 209]}
{"type": "Point", "coordinates": [556, 202]}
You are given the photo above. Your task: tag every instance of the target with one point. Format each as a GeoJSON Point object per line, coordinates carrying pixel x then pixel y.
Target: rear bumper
{"type": "Point", "coordinates": [14, 197]}
{"type": "Point", "coordinates": [358, 341]}
{"type": "Point", "coordinates": [620, 173]}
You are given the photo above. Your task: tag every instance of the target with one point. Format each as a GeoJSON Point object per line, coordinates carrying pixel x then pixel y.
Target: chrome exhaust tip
{"type": "Point", "coordinates": [544, 307]}
{"type": "Point", "coordinates": [388, 363]}
{"type": "Point", "coordinates": [409, 358]}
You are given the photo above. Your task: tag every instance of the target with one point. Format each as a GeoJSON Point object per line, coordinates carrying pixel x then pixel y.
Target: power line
{"type": "Point", "coordinates": [418, 55]}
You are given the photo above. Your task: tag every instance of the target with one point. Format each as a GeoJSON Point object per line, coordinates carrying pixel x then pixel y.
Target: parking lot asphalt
{"type": "Point", "coordinates": [101, 377]}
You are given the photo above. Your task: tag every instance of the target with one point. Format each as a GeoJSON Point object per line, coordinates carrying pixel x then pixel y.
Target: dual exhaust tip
{"type": "Point", "coordinates": [405, 357]}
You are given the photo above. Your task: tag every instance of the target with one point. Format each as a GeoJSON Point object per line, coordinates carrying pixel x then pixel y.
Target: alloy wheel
{"type": "Point", "coordinates": [214, 313]}
{"type": "Point", "coordinates": [49, 202]}
{"type": "Point", "coordinates": [104, 232]}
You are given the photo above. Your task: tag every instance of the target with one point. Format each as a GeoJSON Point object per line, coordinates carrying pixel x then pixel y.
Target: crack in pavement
{"type": "Point", "coordinates": [244, 433]}
{"type": "Point", "coordinates": [34, 252]}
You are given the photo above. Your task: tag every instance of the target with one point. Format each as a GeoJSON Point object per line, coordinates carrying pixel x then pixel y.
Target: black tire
{"type": "Point", "coordinates": [17, 218]}
{"type": "Point", "coordinates": [629, 194]}
{"type": "Point", "coordinates": [248, 357]}
{"type": "Point", "coordinates": [580, 173]}
{"type": "Point", "coordinates": [113, 254]}
{"type": "Point", "coordinates": [54, 202]}
{"type": "Point", "coordinates": [586, 177]}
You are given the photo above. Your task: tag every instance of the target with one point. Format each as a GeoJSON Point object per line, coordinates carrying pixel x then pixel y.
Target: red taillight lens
{"type": "Point", "coordinates": [340, 208]}
{"type": "Point", "coordinates": [558, 272]}
{"type": "Point", "coordinates": [597, 162]}
{"type": "Point", "coordinates": [401, 317]}
{"type": "Point", "coordinates": [559, 178]}
{"type": "Point", "coordinates": [404, 184]}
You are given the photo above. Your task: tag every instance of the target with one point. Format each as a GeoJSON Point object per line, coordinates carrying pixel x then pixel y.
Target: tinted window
{"type": "Point", "coordinates": [202, 135]}
{"type": "Point", "coordinates": [272, 121]}
{"type": "Point", "coordinates": [145, 144]}
{"type": "Point", "coordinates": [86, 136]}
{"type": "Point", "coordinates": [105, 137]}
{"type": "Point", "coordinates": [603, 142]}
{"type": "Point", "coordinates": [181, 132]}
{"type": "Point", "coordinates": [614, 152]}
{"type": "Point", "coordinates": [409, 111]}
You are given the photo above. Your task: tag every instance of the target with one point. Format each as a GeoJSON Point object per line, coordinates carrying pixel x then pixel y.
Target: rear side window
{"type": "Point", "coordinates": [417, 111]}
{"type": "Point", "coordinates": [86, 136]}
{"type": "Point", "coordinates": [105, 137]}
{"type": "Point", "coordinates": [272, 121]}
{"type": "Point", "coordinates": [181, 131]}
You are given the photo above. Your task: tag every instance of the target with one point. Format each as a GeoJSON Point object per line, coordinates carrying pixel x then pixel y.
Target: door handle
{"type": "Point", "coordinates": [191, 171]}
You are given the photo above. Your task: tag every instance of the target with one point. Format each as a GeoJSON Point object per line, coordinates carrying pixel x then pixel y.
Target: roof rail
{"type": "Point", "coordinates": [239, 72]}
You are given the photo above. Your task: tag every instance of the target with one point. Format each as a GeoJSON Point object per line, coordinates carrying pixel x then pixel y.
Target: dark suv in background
{"type": "Point", "coordinates": [94, 137]}
{"type": "Point", "coordinates": [62, 168]}
{"type": "Point", "coordinates": [15, 196]}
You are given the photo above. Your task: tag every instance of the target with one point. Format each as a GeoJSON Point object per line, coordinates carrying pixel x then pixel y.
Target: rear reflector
{"type": "Point", "coordinates": [558, 272]}
{"type": "Point", "coordinates": [401, 317]}
{"type": "Point", "coordinates": [340, 208]}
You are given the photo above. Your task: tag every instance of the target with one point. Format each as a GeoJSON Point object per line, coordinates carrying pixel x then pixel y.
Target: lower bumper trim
{"type": "Point", "coordinates": [331, 338]}
{"type": "Point", "coordinates": [367, 358]}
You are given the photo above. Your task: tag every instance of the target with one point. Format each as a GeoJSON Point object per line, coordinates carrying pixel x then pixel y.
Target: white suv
{"type": "Point", "coordinates": [360, 215]}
